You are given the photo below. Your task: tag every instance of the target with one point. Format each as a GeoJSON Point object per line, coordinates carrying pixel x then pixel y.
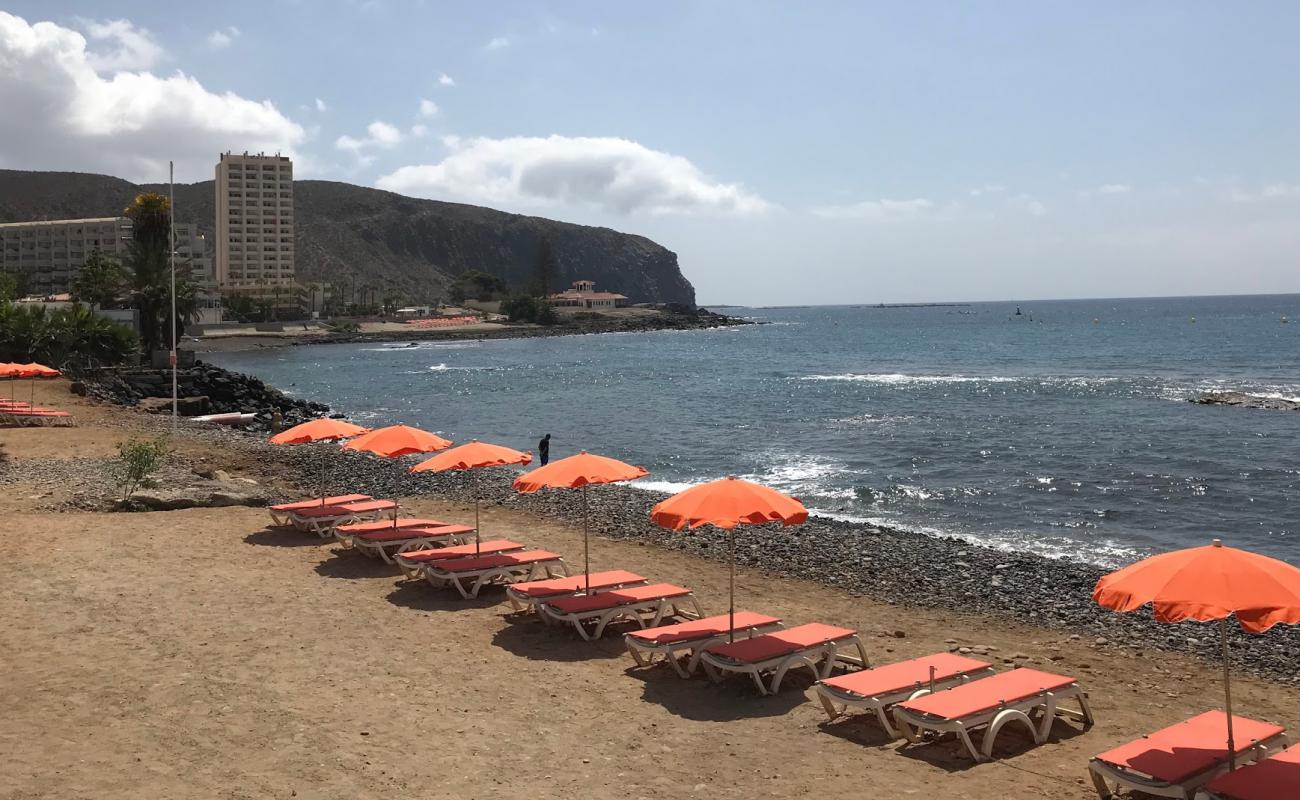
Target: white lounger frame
{"type": "Point", "coordinates": [644, 652]}
{"type": "Point", "coordinates": [551, 568]}
{"type": "Point", "coordinates": [414, 570]}
{"type": "Point", "coordinates": [658, 609]}
{"type": "Point", "coordinates": [881, 703]}
{"type": "Point", "coordinates": [386, 550]}
{"type": "Point", "coordinates": [285, 517]}
{"type": "Point", "coordinates": [912, 725]}
{"type": "Point", "coordinates": [324, 526]}
{"type": "Point", "coordinates": [826, 654]}
{"type": "Point", "coordinates": [523, 602]}
{"type": "Point", "coordinates": [1101, 771]}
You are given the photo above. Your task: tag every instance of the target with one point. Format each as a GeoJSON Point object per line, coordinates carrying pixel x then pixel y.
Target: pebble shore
{"type": "Point", "coordinates": [898, 567]}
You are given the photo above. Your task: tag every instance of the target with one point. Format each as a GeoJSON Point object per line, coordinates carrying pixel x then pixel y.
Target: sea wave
{"type": "Point", "coordinates": [902, 379]}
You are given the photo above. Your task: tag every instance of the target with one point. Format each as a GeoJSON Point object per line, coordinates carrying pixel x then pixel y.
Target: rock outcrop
{"type": "Point", "coordinates": [1244, 400]}
{"type": "Point", "coordinates": [203, 386]}
{"type": "Point", "coordinates": [366, 239]}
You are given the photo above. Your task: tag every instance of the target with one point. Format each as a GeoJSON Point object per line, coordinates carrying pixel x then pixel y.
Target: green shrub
{"type": "Point", "coordinates": [137, 460]}
{"type": "Point", "coordinates": [526, 308]}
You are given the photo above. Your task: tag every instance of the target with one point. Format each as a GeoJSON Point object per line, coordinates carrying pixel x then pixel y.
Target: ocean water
{"type": "Point", "coordinates": [1063, 431]}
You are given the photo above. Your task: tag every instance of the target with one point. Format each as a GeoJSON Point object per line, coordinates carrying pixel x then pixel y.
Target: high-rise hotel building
{"type": "Point", "coordinates": [254, 226]}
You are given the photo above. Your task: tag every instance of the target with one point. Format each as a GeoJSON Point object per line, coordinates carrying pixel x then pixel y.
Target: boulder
{"type": "Point", "coordinates": [211, 495]}
{"type": "Point", "coordinates": [1244, 400]}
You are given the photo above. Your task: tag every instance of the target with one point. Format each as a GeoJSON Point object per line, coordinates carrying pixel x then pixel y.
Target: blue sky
{"type": "Point", "coordinates": [789, 153]}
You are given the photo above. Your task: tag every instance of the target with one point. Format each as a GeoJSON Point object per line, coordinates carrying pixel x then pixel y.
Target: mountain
{"type": "Point", "coordinates": [372, 238]}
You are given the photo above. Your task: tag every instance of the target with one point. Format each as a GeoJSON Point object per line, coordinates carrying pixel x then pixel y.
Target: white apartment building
{"type": "Point", "coordinates": [47, 255]}
{"type": "Point", "coordinates": [254, 225]}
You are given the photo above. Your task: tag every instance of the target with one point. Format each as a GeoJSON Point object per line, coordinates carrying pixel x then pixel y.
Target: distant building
{"type": "Point", "coordinates": [583, 294]}
{"type": "Point", "coordinates": [47, 255]}
{"type": "Point", "coordinates": [254, 246]}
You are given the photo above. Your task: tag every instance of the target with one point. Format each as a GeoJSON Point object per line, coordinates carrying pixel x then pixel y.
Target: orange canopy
{"type": "Point", "coordinates": [578, 471]}
{"type": "Point", "coordinates": [34, 370]}
{"type": "Point", "coordinates": [727, 503]}
{"type": "Point", "coordinates": [397, 440]}
{"type": "Point", "coordinates": [1207, 583]}
{"type": "Point", "coordinates": [318, 430]}
{"type": "Point", "coordinates": [473, 455]}
{"type": "Point", "coordinates": [8, 370]}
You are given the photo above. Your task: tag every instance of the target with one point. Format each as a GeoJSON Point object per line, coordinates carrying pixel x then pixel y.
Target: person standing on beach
{"type": "Point", "coordinates": [544, 449]}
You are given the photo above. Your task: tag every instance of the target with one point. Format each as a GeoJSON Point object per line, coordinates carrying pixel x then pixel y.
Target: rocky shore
{"type": "Point", "coordinates": [202, 389]}
{"type": "Point", "coordinates": [672, 318]}
{"type": "Point", "coordinates": [894, 566]}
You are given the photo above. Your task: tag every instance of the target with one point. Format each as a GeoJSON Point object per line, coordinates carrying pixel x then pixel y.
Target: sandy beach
{"type": "Point", "coordinates": [199, 653]}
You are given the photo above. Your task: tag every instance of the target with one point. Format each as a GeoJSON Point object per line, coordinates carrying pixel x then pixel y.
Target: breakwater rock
{"type": "Point", "coordinates": [1244, 400]}
{"type": "Point", "coordinates": [203, 389]}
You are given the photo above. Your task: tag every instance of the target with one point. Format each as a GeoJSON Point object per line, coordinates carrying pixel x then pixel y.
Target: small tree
{"type": "Point", "coordinates": [526, 308]}
{"type": "Point", "coordinates": [138, 460]}
{"type": "Point", "coordinates": [545, 269]}
{"type": "Point", "coordinates": [8, 287]}
{"type": "Point", "coordinates": [100, 282]}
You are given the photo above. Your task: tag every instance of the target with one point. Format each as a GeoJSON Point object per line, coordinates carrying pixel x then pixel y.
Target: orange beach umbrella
{"type": "Point", "coordinates": [325, 429]}
{"type": "Point", "coordinates": [1204, 584]}
{"type": "Point", "coordinates": [396, 441]}
{"type": "Point", "coordinates": [576, 472]}
{"type": "Point", "coordinates": [726, 504]}
{"type": "Point", "coordinates": [474, 455]}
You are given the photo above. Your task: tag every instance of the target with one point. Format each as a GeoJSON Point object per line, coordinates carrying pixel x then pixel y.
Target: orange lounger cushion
{"type": "Point", "coordinates": [336, 500]}
{"type": "Point", "coordinates": [403, 534]}
{"type": "Point", "coordinates": [904, 675]}
{"type": "Point", "coordinates": [496, 561]}
{"type": "Point", "coordinates": [370, 527]}
{"type": "Point", "coordinates": [488, 548]}
{"type": "Point", "coordinates": [1188, 748]}
{"type": "Point", "coordinates": [558, 587]}
{"type": "Point", "coordinates": [987, 694]}
{"type": "Point", "coordinates": [614, 598]}
{"type": "Point", "coordinates": [1275, 777]}
{"type": "Point", "coordinates": [348, 509]}
{"type": "Point", "coordinates": [696, 629]}
{"type": "Point", "coordinates": [780, 643]}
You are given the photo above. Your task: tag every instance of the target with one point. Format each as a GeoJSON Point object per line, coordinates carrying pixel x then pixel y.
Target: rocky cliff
{"type": "Point", "coordinates": [367, 237]}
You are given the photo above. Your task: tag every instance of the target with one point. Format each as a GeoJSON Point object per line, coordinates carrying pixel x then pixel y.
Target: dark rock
{"type": "Point", "coordinates": [1244, 400]}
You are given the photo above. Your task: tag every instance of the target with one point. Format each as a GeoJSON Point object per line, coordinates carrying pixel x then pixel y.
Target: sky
{"type": "Point", "coordinates": [825, 152]}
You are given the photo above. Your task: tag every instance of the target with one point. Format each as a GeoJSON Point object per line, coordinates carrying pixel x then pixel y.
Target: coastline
{"type": "Point", "coordinates": [668, 320]}
{"type": "Point", "coordinates": [905, 568]}
{"type": "Point", "coordinates": [224, 651]}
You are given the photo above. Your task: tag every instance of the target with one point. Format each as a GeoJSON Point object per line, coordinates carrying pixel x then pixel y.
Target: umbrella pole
{"type": "Point", "coordinates": [321, 477]}
{"type": "Point", "coordinates": [731, 598]}
{"type": "Point", "coordinates": [1227, 693]}
{"type": "Point", "coordinates": [586, 547]}
{"type": "Point", "coordinates": [477, 538]}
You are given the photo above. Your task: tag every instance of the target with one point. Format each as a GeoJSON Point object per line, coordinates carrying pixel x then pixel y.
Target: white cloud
{"type": "Point", "coordinates": [221, 39]}
{"type": "Point", "coordinates": [1273, 191]}
{"type": "Point", "coordinates": [320, 105]}
{"type": "Point", "coordinates": [1029, 204]}
{"type": "Point", "coordinates": [419, 130]}
{"type": "Point", "coordinates": [379, 135]}
{"type": "Point", "coordinates": [497, 43]}
{"type": "Point", "coordinates": [1114, 188]}
{"type": "Point", "coordinates": [883, 210]}
{"type": "Point", "coordinates": [605, 172]}
{"type": "Point", "coordinates": [428, 108]}
{"type": "Point", "coordinates": [60, 113]}
{"type": "Point", "coordinates": [132, 48]}
{"type": "Point", "coordinates": [445, 80]}
{"type": "Point", "coordinates": [988, 188]}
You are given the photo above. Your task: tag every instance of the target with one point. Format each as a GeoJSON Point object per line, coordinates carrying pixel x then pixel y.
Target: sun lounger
{"type": "Point", "coordinates": [387, 543]}
{"type": "Point", "coordinates": [657, 601]}
{"type": "Point", "coordinates": [991, 703]}
{"type": "Point", "coordinates": [1176, 761]}
{"type": "Point", "coordinates": [322, 521]}
{"type": "Point", "coordinates": [343, 531]}
{"type": "Point", "coordinates": [481, 571]}
{"type": "Point", "coordinates": [280, 512]}
{"type": "Point", "coordinates": [525, 596]}
{"type": "Point", "coordinates": [880, 688]}
{"type": "Point", "coordinates": [412, 562]}
{"type": "Point", "coordinates": [692, 636]}
{"type": "Point", "coordinates": [814, 646]}
{"type": "Point", "coordinates": [1274, 777]}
